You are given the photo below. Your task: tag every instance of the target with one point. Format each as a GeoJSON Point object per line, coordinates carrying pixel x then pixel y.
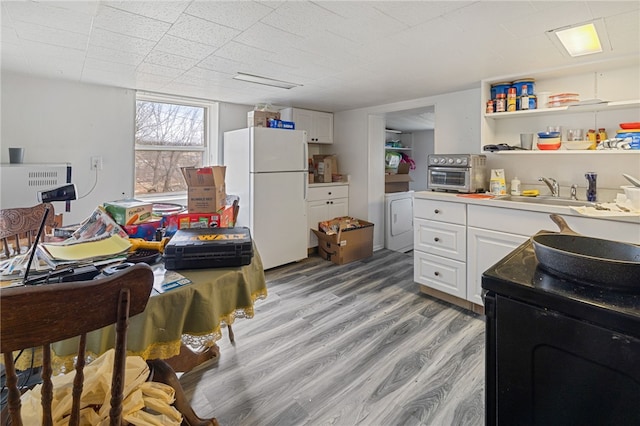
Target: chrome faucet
{"type": "Point", "coordinates": [552, 184]}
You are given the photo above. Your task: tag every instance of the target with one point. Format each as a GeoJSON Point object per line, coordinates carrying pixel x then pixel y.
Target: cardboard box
{"type": "Point", "coordinates": [326, 166]}
{"type": "Point", "coordinates": [348, 245]}
{"type": "Point", "coordinates": [396, 183]}
{"type": "Point", "coordinates": [129, 212]}
{"type": "Point", "coordinates": [206, 188]}
{"type": "Point", "coordinates": [261, 118]}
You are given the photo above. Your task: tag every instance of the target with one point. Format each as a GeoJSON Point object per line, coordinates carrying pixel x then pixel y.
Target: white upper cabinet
{"type": "Point", "coordinates": [318, 124]}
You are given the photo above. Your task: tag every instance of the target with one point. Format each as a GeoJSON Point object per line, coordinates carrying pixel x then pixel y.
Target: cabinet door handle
{"type": "Point", "coordinates": [436, 273]}
{"type": "Point", "coordinates": [329, 193]}
{"type": "Point", "coordinates": [436, 239]}
{"type": "Point", "coordinates": [436, 211]}
{"type": "Point", "coordinates": [332, 202]}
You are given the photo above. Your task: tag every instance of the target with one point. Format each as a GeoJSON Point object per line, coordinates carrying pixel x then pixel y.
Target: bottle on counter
{"type": "Point", "coordinates": [524, 98]}
{"type": "Point", "coordinates": [511, 99]}
{"type": "Point", "coordinates": [592, 186]}
{"type": "Point", "coordinates": [515, 186]}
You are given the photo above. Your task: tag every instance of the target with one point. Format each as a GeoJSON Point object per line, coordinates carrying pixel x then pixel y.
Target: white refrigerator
{"type": "Point", "coordinates": [268, 169]}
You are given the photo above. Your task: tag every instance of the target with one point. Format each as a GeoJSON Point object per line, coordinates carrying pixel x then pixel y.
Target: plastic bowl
{"type": "Point", "coordinates": [577, 144]}
{"type": "Point", "coordinates": [631, 125]}
{"type": "Point", "coordinates": [546, 135]}
{"type": "Point", "coordinates": [549, 146]}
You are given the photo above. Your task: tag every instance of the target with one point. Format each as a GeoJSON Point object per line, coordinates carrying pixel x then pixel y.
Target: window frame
{"type": "Point", "coordinates": [210, 108]}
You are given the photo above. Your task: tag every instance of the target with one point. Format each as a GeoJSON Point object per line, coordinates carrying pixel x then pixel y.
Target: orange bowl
{"type": "Point", "coordinates": [632, 125]}
{"type": "Point", "coordinates": [549, 146]}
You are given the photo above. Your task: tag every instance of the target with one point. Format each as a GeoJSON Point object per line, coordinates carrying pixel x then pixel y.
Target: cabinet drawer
{"type": "Point", "coordinates": [327, 192]}
{"type": "Point", "coordinates": [443, 211]}
{"type": "Point", "coordinates": [439, 238]}
{"type": "Point", "coordinates": [446, 275]}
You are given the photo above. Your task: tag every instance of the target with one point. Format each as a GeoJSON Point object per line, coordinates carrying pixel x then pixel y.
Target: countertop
{"type": "Point", "coordinates": [496, 202]}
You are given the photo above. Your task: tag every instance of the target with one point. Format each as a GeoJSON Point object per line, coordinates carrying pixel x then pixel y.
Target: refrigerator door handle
{"type": "Point", "coordinates": [306, 161]}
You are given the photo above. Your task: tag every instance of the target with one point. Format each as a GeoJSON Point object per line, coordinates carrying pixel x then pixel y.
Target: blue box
{"type": "Point", "coordinates": [281, 124]}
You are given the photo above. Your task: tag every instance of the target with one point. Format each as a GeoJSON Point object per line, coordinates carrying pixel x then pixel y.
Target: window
{"type": "Point", "coordinates": [170, 134]}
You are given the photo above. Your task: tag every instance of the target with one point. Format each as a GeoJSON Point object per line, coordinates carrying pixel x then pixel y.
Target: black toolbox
{"type": "Point", "coordinates": [197, 248]}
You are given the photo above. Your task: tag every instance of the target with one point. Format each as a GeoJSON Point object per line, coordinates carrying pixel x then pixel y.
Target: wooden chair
{"type": "Point", "coordinates": [33, 316]}
{"type": "Point", "coordinates": [20, 225]}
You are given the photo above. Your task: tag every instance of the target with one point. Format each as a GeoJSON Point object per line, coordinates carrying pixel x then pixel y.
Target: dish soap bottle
{"type": "Point", "coordinates": [515, 186]}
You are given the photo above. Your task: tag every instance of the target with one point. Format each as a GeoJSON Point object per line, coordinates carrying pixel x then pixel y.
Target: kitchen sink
{"type": "Point", "coordinates": [545, 200]}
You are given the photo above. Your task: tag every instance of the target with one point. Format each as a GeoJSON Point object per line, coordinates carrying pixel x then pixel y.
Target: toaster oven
{"type": "Point", "coordinates": [466, 173]}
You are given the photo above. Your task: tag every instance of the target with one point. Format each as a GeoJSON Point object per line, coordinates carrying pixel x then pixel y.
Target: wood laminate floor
{"type": "Point", "coordinates": [356, 344]}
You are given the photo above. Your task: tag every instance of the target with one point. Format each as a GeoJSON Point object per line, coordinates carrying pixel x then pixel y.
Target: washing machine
{"type": "Point", "coordinates": [398, 221]}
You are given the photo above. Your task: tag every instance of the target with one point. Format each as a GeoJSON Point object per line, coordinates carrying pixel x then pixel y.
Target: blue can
{"type": "Point", "coordinates": [499, 88]}
{"type": "Point", "coordinates": [531, 86]}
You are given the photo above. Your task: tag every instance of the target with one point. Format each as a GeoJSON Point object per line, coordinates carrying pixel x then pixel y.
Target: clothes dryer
{"type": "Point", "coordinates": [398, 214]}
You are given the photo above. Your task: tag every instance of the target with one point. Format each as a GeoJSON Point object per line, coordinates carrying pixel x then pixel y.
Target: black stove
{"type": "Point", "coordinates": [559, 351]}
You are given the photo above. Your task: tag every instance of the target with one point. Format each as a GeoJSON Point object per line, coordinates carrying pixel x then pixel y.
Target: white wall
{"type": "Point", "coordinates": [423, 145]}
{"type": "Point", "coordinates": [60, 122]}
{"type": "Point", "coordinates": [359, 142]}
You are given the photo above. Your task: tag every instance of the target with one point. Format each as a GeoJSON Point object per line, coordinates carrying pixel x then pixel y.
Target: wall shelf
{"type": "Point", "coordinates": [568, 151]}
{"type": "Point", "coordinates": [571, 109]}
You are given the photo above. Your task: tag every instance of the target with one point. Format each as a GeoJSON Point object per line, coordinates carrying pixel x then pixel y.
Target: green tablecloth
{"type": "Point", "coordinates": [192, 314]}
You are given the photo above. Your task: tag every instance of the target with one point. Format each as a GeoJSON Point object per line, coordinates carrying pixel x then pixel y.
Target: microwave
{"type": "Point", "coordinates": [466, 173]}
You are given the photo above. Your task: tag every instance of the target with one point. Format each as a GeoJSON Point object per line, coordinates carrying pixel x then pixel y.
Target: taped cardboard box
{"type": "Point", "coordinates": [206, 188]}
{"type": "Point", "coordinates": [261, 118]}
{"type": "Point", "coordinates": [326, 166]}
{"type": "Point", "coordinates": [347, 245]}
{"type": "Point", "coordinates": [396, 182]}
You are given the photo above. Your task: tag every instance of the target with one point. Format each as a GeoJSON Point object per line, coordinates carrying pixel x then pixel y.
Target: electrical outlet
{"type": "Point", "coordinates": [96, 163]}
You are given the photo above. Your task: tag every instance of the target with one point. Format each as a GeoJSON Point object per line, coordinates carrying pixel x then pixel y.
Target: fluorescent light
{"type": "Point", "coordinates": [265, 81]}
{"type": "Point", "coordinates": [581, 39]}
{"type": "Point", "coordinates": [393, 131]}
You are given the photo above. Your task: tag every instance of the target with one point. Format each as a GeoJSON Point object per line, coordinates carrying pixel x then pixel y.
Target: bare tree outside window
{"type": "Point", "coordinates": [168, 137]}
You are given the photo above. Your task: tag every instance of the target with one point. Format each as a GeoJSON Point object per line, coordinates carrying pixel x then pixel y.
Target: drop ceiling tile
{"type": "Point", "coordinates": [624, 32]}
{"type": "Point", "coordinates": [220, 64]}
{"type": "Point", "coordinates": [170, 60]}
{"type": "Point", "coordinates": [242, 53]}
{"type": "Point", "coordinates": [52, 15]}
{"type": "Point", "coordinates": [116, 68]}
{"type": "Point", "coordinates": [367, 30]}
{"type": "Point", "coordinates": [186, 48]}
{"type": "Point", "coordinates": [303, 18]}
{"type": "Point", "coordinates": [268, 38]}
{"type": "Point", "coordinates": [116, 41]}
{"type": "Point", "coordinates": [112, 55]}
{"type": "Point", "coordinates": [234, 14]}
{"type": "Point", "coordinates": [413, 13]}
{"type": "Point", "coordinates": [53, 36]}
{"type": "Point", "coordinates": [159, 70]}
{"type": "Point", "coordinates": [166, 11]}
{"type": "Point", "coordinates": [200, 30]}
{"type": "Point", "coordinates": [130, 24]}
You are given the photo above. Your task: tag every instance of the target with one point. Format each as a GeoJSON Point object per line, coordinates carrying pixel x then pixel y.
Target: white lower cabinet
{"type": "Point", "coordinates": [440, 273]}
{"type": "Point", "coordinates": [440, 248]}
{"type": "Point", "coordinates": [485, 249]}
{"type": "Point", "coordinates": [324, 203]}
{"type": "Point", "coordinates": [455, 242]}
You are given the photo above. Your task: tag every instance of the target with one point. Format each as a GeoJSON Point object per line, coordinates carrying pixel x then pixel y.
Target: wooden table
{"type": "Point", "coordinates": [176, 321]}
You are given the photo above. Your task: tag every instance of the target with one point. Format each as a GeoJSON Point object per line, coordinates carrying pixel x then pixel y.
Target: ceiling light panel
{"type": "Point", "coordinates": [265, 81]}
